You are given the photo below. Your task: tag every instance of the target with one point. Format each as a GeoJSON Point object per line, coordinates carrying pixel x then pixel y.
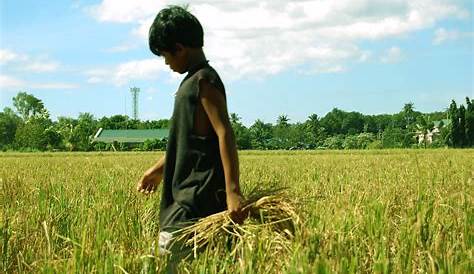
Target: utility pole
{"type": "Point", "coordinates": [135, 92]}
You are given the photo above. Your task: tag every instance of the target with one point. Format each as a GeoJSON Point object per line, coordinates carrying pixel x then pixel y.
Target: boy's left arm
{"type": "Point", "coordinates": [214, 104]}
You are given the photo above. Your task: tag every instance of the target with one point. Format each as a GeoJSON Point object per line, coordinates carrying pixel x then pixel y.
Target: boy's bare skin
{"type": "Point", "coordinates": [211, 114]}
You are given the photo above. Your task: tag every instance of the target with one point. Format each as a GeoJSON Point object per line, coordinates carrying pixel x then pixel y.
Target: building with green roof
{"type": "Point", "coordinates": [430, 135]}
{"type": "Point", "coordinates": [129, 136]}
{"type": "Point", "coordinates": [442, 123]}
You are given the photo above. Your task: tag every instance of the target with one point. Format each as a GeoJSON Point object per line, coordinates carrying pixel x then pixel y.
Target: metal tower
{"type": "Point", "coordinates": [135, 92]}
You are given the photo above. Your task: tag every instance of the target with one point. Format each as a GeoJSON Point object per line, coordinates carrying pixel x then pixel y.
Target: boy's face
{"type": "Point", "coordinates": [177, 61]}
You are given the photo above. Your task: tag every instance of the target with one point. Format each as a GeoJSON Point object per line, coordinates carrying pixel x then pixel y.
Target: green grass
{"type": "Point", "coordinates": [385, 211]}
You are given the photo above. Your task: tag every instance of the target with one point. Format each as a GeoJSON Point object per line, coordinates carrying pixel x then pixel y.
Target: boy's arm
{"type": "Point", "coordinates": [158, 167]}
{"type": "Point", "coordinates": [214, 104]}
{"type": "Point", "coordinates": [152, 177]}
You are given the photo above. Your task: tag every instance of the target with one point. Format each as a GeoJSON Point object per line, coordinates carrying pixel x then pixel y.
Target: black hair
{"type": "Point", "coordinates": [172, 25]}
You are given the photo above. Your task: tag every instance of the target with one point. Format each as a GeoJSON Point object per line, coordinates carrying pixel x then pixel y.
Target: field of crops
{"type": "Point", "coordinates": [401, 211]}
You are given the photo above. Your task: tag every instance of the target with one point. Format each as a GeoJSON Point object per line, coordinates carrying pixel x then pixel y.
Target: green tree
{"type": "Point", "coordinates": [332, 122]}
{"type": "Point", "coordinates": [281, 133]}
{"type": "Point", "coordinates": [283, 120]}
{"type": "Point", "coordinates": [117, 122]}
{"type": "Point", "coordinates": [314, 132]}
{"type": "Point", "coordinates": [9, 122]}
{"type": "Point", "coordinates": [382, 122]}
{"type": "Point", "coordinates": [155, 124]}
{"type": "Point", "coordinates": [350, 142]}
{"type": "Point", "coordinates": [334, 142]}
{"type": "Point", "coordinates": [352, 123]}
{"type": "Point", "coordinates": [469, 122]}
{"type": "Point", "coordinates": [408, 115]}
{"type": "Point", "coordinates": [456, 130]}
{"type": "Point", "coordinates": [359, 141]}
{"type": "Point", "coordinates": [341, 122]}
{"type": "Point", "coordinates": [37, 133]}
{"type": "Point", "coordinates": [84, 131]}
{"type": "Point", "coordinates": [443, 139]}
{"type": "Point", "coordinates": [27, 105]}
{"type": "Point", "coordinates": [65, 127]}
{"type": "Point", "coordinates": [298, 137]}
{"type": "Point", "coordinates": [36, 130]}
{"type": "Point", "coordinates": [261, 135]}
{"type": "Point", "coordinates": [393, 137]}
{"type": "Point", "coordinates": [365, 139]}
{"type": "Point", "coordinates": [313, 123]}
{"type": "Point", "coordinates": [437, 115]}
{"type": "Point", "coordinates": [154, 144]}
{"type": "Point", "coordinates": [462, 126]}
{"type": "Point", "coordinates": [241, 133]}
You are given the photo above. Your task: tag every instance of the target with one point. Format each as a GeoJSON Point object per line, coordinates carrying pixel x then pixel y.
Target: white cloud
{"type": "Point", "coordinates": [8, 82]}
{"type": "Point", "coordinates": [9, 56]}
{"type": "Point", "coordinates": [39, 66]}
{"type": "Point", "coordinates": [151, 90]}
{"type": "Point", "coordinates": [324, 69]}
{"type": "Point", "coordinates": [97, 75]}
{"type": "Point", "coordinates": [142, 69]}
{"type": "Point", "coordinates": [123, 47]}
{"type": "Point", "coordinates": [94, 80]}
{"type": "Point", "coordinates": [442, 35]}
{"type": "Point", "coordinates": [54, 86]}
{"type": "Point", "coordinates": [127, 72]}
{"type": "Point", "coordinates": [23, 62]}
{"type": "Point", "coordinates": [6, 56]}
{"type": "Point", "coordinates": [258, 38]}
{"type": "Point", "coordinates": [124, 11]}
{"type": "Point", "coordinates": [365, 56]}
{"type": "Point", "coordinates": [392, 55]}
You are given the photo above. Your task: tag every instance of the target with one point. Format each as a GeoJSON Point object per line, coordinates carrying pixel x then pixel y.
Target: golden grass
{"type": "Point", "coordinates": [375, 211]}
{"type": "Point", "coordinates": [272, 215]}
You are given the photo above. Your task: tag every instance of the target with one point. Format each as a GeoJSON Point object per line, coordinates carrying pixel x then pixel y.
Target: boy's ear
{"type": "Point", "coordinates": [179, 48]}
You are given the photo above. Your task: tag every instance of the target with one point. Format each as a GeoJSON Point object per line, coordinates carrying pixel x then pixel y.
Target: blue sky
{"type": "Point", "coordinates": [275, 57]}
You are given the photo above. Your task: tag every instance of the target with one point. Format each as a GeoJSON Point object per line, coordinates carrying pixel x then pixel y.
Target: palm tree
{"type": "Point", "coordinates": [282, 120]}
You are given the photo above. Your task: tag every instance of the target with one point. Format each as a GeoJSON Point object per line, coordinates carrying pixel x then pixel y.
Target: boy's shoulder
{"type": "Point", "coordinates": [209, 74]}
{"type": "Point", "coordinates": [206, 70]}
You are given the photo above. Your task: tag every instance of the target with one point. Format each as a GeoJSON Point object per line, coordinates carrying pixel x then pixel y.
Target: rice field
{"type": "Point", "coordinates": [375, 211]}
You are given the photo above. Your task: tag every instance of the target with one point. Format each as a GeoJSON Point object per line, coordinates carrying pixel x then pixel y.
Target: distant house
{"type": "Point", "coordinates": [128, 136]}
{"type": "Point", "coordinates": [430, 135]}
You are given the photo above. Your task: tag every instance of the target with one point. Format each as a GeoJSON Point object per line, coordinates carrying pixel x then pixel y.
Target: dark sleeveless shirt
{"type": "Point", "coordinates": [193, 179]}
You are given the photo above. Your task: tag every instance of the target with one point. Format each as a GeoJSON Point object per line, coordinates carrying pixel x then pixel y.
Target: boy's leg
{"type": "Point", "coordinates": [164, 251]}
{"type": "Point", "coordinates": [174, 251]}
{"type": "Point", "coordinates": [164, 242]}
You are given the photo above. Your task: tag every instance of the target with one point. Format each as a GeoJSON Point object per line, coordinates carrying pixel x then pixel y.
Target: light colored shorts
{"type": "Point", "coordinates": [174, 251]}
{"type": "Point", "coordinates": [164, 242]}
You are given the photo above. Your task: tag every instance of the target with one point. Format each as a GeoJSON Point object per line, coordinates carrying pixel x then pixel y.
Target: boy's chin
{"type": "Point", "coordinates": [177, 70]}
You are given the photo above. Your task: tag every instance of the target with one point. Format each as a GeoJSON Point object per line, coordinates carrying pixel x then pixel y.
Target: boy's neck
{"type": "Point", "coordinates": [195, 58]}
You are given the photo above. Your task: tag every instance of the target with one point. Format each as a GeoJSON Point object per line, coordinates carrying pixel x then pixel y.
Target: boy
{"type": "Point", "coordinates": [200, 170]}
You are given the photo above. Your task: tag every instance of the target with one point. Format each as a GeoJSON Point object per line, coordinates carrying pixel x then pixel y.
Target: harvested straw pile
{"type": "Point", "coordinates": [272, 219]}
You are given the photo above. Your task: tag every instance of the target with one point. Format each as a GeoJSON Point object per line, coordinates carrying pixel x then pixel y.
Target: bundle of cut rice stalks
{"type": "Point", "coordinates": [273, 221]}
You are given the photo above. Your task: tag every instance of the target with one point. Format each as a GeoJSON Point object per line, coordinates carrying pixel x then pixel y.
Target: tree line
{"type": "Point", "coordinates": [28, 127]}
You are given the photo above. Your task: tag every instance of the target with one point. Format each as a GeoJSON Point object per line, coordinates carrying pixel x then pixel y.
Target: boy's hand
{"type": "Point", "coordinates": [149, 182]}
{"type": "Point", "coordinates": [235, 203]}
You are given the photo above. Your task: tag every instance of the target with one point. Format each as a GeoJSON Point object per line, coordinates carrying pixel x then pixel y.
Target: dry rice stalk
{"type": "Point", "coordinates": [270, 214]}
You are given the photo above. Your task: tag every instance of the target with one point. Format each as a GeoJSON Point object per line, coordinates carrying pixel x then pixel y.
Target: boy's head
{"type": "Point", "coordinates": [174, 25]}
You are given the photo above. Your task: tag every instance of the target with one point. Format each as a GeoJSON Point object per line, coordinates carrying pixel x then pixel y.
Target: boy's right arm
{"type": "Point", "coordinates": [152, 177]}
